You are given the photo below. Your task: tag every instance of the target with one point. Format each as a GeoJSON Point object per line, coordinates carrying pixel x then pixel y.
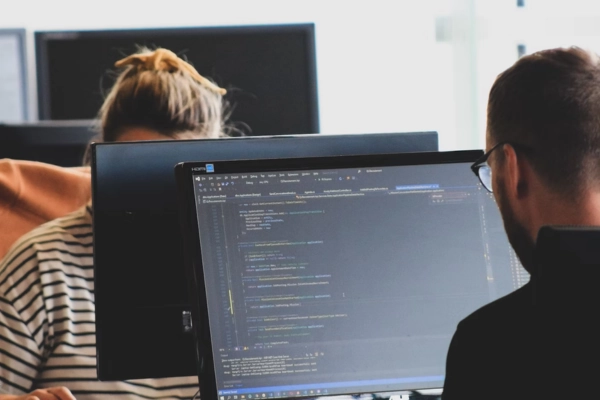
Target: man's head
{"type": "Point", "coordinates": [546, 107]}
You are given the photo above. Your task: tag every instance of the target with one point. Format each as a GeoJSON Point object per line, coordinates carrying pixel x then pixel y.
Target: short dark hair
{"type": "Point", "coordinates": [550, 101]}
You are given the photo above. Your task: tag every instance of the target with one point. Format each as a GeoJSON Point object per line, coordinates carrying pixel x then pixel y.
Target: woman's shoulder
{"type": "Point", "coordinates": [63, 238]}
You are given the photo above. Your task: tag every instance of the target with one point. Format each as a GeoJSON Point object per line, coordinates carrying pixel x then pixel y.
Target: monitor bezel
{"type": "Point", "coordinates": [43, 37]}
{"type": "Point", "coordinates": [185, 172]}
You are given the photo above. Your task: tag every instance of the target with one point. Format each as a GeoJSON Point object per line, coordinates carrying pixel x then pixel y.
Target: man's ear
{"type": "Point", "coordinates": [515, 174]}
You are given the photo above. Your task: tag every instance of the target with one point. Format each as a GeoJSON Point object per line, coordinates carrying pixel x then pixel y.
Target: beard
{"type": "Point", "coordinates": [518, 236]}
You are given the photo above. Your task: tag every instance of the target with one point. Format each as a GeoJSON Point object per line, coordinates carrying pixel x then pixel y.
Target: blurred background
{"type": "Point", "coordinates": [382, 65]}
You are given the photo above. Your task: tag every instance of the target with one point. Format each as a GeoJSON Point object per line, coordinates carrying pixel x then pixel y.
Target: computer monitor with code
{"type": "Point", "coordinates": [341, 275]}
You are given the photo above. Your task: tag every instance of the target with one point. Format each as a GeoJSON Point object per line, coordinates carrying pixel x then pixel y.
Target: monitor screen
{"type": "Point", "coordinates": [61, 143]}
{"type": "Point", "coordinates": [140, 286]}
{"type": "Point", "coordinates": [13, 70]}
{"type": "Point", "coordinates": [340, 276]}
{"type": "Point", "coordinates": [269, 71]}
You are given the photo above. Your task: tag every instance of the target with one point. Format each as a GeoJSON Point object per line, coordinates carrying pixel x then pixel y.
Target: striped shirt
{"type": "Point", "coordinates": [47, 318]}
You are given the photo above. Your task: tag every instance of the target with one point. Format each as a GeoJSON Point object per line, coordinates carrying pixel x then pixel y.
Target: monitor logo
{"type": "Point", "coordinates": [210, 168]}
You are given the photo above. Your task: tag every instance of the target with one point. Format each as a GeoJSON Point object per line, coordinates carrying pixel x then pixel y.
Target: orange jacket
{"type": "Point", "coordinates": [32, 193]}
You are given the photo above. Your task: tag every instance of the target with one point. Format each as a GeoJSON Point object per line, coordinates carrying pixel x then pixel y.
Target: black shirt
{"type": "Point", "coordinates": [518, 348]}
{"type": "Point", "coordinates": [486, 352]}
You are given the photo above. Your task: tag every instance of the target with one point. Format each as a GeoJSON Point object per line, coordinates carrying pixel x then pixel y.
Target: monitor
{"type": "Point", "coordinates": [140, 286]}
{"type": "Point", "coordinates": [13, 70]}
{"type": "Point", "coordinates": [337, 275]}
{"type": "Point", "coordinates": [269, 70]}
{"type": "Point", "coordinates": [62, 143]}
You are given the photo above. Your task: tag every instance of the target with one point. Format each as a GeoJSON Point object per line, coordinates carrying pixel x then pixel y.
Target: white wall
{"type": "Point", "coordinates": [381, 66]}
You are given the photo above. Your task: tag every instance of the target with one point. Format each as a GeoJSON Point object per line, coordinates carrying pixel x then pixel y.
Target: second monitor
{"type": "Point", "coordinates": [62, 143]}
{"type": "Point", "coordinates": [141, 290]}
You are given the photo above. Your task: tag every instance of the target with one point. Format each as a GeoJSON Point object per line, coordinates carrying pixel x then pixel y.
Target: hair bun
{"type": "Point", "coordinates": [166, 60]}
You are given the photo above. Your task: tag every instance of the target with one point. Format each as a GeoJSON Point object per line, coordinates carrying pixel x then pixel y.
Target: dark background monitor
{"type": "Point", "coordinates": [140, 285]}
{"type": "Point", "coordinates": [61, 143]}
{"type": "Point", "coordinates": [13, 86]}
{"type": "Point", "coordinates": [269, 71]}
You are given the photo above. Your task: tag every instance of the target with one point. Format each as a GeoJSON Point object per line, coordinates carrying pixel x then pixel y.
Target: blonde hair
{"type": "Point", "coordinates": [160, 91]}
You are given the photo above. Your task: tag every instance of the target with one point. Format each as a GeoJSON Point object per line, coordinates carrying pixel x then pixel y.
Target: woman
{"type": "Point", "coordinates": [47, 314]}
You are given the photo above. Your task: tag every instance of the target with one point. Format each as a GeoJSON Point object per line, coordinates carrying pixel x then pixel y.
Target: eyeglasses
{"type": "Point", "coordinates": [483, 171]}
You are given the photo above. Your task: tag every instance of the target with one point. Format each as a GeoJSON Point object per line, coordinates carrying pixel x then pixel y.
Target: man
{"type": "Point", "coordinates": [543, 164]}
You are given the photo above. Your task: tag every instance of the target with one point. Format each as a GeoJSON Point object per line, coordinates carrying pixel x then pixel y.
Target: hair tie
{"type": "Point", "coordinates": [166, 60]}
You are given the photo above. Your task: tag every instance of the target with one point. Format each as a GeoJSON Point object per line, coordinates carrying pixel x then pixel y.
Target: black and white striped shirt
{"type": "Point", "coordinates": [47, 318]}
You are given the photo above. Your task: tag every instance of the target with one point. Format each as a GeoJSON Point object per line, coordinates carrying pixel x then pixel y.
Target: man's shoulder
{"type": "Point", "coordinates": [503, 312]}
